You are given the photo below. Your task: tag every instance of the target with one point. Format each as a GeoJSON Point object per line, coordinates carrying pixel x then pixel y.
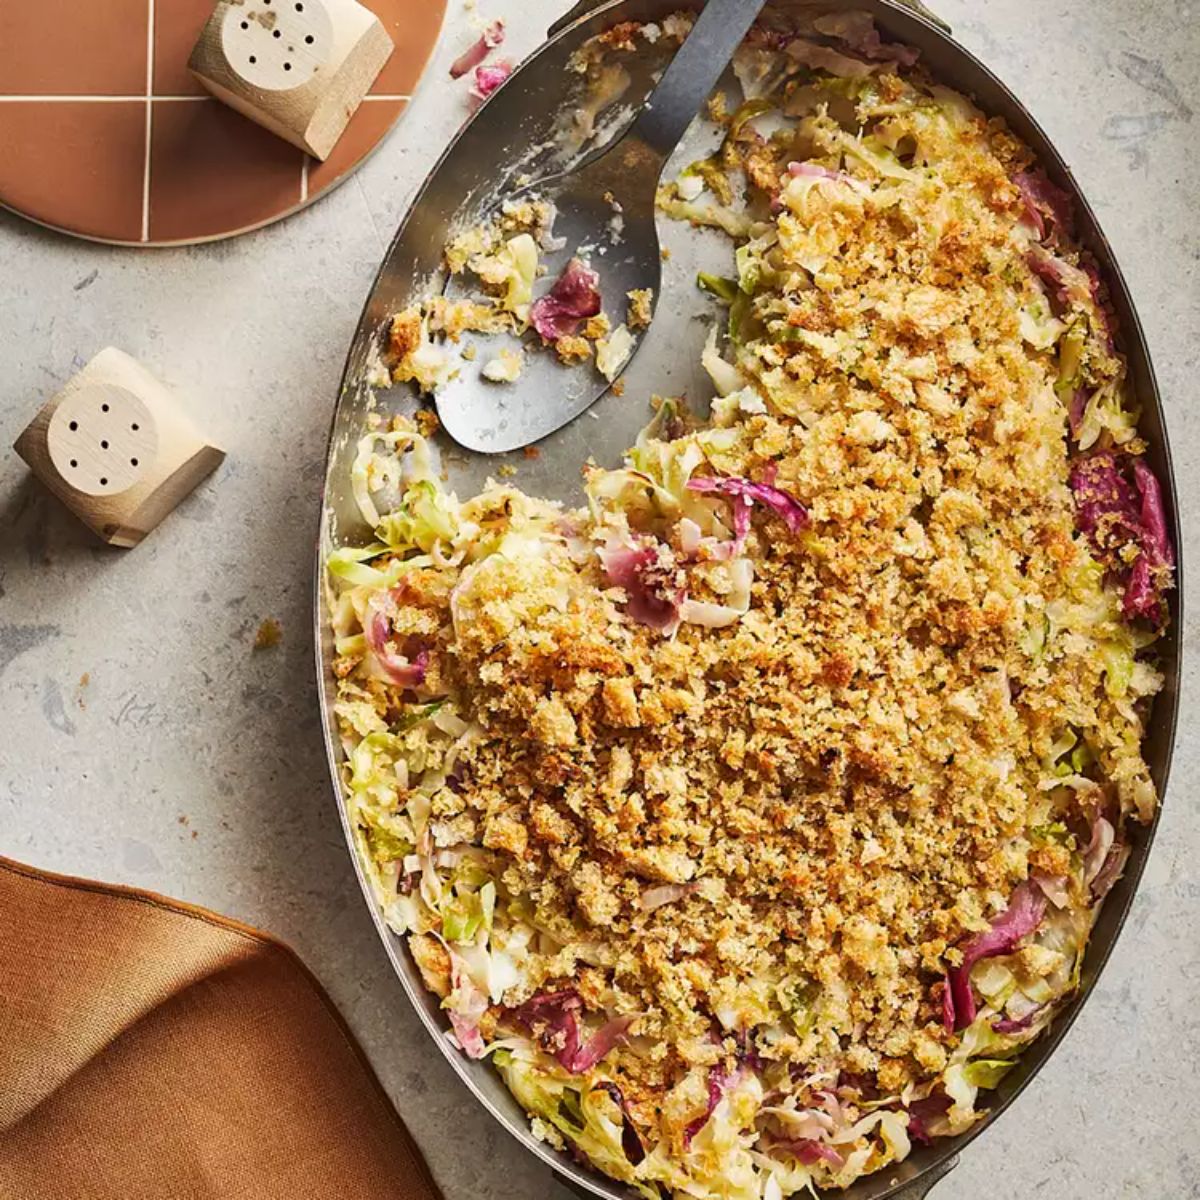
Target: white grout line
{"type": "Point", "coordinates": [149, 120]}
{"type": "Point", "coordinates": [93, 99]}
{"type": "Point", "coordinates": [304, 180]}
{"type": "Point", "coordinates": [130, 99]}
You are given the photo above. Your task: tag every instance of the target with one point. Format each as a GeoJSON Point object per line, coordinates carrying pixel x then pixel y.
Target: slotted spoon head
{"type": "Point", "coordinates": [605, 217]}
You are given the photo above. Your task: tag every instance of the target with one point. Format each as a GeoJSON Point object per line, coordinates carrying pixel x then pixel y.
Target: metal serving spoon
{"type": "Point", "coordinates": [617, 183]}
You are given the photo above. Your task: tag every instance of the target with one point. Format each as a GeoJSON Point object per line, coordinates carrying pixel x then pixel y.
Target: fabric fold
{"type": "Point", "coordinates": [151, 1049]}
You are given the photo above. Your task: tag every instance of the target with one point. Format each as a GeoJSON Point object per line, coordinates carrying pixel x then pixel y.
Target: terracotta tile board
{"type": "Point", "coordinates": [177, 26]}
{"type": "Point", "coordinates": [214, 172]}
{"type": "Point", "coordinates": [76, 164]}
{"type": "Point", "coordinates": [368, 127]}
{"type": "Point", "coordinates": [73, 47]}
{"type": "Point", "coordinates": [413, 26]}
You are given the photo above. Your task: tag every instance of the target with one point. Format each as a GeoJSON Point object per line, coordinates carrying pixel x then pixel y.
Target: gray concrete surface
{"type": "Point", "coordinates": [191, 765]}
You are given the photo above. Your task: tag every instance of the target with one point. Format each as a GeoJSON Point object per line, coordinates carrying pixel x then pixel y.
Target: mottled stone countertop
{"type": "Point", "coordinates": [142, 740]}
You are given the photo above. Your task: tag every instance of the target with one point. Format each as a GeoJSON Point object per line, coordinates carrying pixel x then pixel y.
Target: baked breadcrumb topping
{"type": "Point", "coordinates": [821, 711]}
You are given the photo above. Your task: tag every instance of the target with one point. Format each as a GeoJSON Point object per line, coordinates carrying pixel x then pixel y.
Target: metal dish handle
{"type": "Point", "coordinates": [917, 1190]}
{"type": "Point", "coordinates": [584, 7]}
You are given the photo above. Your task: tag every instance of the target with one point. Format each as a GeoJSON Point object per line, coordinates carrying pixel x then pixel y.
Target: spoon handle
{"type": "Point", "coordinates": [693, 73]}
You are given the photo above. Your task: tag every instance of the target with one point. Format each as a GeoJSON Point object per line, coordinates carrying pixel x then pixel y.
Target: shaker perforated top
{"type": "Point", "coordinates": [284, 52]}
{"type": "Point", "coordinates": [105, 134]}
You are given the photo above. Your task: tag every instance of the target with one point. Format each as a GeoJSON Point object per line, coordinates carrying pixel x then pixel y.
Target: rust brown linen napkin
{"type": "Point", "coordinates": [154, 1051]}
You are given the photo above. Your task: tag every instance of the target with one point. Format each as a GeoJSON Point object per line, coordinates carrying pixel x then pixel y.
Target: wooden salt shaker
{"type": "Point", "coordinates": [300, 68]}
{"type": "Point", "coordinates": [115, 446]}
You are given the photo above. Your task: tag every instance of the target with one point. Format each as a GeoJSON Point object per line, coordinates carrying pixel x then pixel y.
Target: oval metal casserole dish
{"type": "Point", "coordinates": [485, 156]}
